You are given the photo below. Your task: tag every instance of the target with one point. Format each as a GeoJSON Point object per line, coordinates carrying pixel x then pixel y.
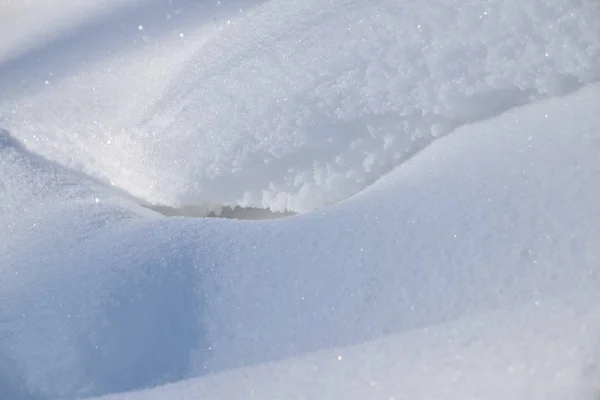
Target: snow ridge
{"type": "Point", "coordinates": [292, 107]}
{"type": "Point", "coordinates": [321, 100]}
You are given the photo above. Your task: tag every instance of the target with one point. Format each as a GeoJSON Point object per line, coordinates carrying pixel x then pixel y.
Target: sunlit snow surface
{"type": "Point", "coordinates": [291, 105]}
{"type": "Point", "coordinates": [468, 272]}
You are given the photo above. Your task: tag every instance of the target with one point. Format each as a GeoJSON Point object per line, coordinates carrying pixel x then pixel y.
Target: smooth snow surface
{"type": "Point", "coordinates": [469, 271]}
{"type": "Point", "coordinates": [530, 354]}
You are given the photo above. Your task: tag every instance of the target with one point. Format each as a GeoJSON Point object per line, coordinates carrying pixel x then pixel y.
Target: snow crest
{"type": "Point", "coordinates": [293, 107]}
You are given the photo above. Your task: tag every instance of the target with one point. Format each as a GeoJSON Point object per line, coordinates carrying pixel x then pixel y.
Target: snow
{"type": "Point", "coordinates": [485, 242]}
{"type": "Point", "coordinates": [442, 156]}
{"type": "Point", "coordinates": [470, 359]}
{"type": "Point", "coordinates": [288, 107]}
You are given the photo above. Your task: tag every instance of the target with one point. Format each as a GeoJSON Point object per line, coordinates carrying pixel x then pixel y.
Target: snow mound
{"type": "Point", "coordinates": [288, 106]}
{"type": "Point", "coordinates": [104, 317]}
{"type": "Point", "coordinates": [291, 106]}
{"type": "Point", "coordinates": [99, 295]}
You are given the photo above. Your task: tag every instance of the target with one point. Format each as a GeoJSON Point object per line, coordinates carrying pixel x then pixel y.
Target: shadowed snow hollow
{"type": "Point", "coordinates": [294, 105]}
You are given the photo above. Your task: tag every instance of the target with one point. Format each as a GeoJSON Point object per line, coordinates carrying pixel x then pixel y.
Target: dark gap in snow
{"type": "Point", "coordinates": [237, 212]}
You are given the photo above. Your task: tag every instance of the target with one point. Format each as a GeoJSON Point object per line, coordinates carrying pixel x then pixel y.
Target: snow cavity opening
{"type": "Point", "coordinates": [237, 212]}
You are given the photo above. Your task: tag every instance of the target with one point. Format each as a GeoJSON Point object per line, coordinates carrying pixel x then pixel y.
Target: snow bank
{"type": "Point", "coordinates": [288, 106]}
{"type": "Point", "coordinates": [498, 214]}
{"type": "Point", "coordinates": [480, 251]}
{"type": "Point", "coordinates": [99, 295]}
{"type": "Point", "coordinates": [469, 271]}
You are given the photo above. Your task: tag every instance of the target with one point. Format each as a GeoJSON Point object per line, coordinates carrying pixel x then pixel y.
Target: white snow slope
{"type": "Point", "coordinates": [454, 142]}
{"type": "Point", "coordinates": [296, 105]}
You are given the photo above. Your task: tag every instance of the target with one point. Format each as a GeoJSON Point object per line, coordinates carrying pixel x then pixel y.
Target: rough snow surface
{"type": "Point", "coordinates": [498, 216]}
{"type": "Point", "coordinates": [468, 271]}
{"type": "Point", "coordinates": [285, 105]}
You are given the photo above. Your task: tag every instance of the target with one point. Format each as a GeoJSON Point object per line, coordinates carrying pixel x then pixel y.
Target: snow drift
{"type": "Point", "coordinates": [468, 271]}
{"type": "Point", "coordinates": [128, 299]}
{"type": "Point", "coordinates": [288, 106]}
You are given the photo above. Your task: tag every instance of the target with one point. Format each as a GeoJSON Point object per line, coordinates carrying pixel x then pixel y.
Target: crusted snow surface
{"type": "Point", "coordinates": [285, 105]}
